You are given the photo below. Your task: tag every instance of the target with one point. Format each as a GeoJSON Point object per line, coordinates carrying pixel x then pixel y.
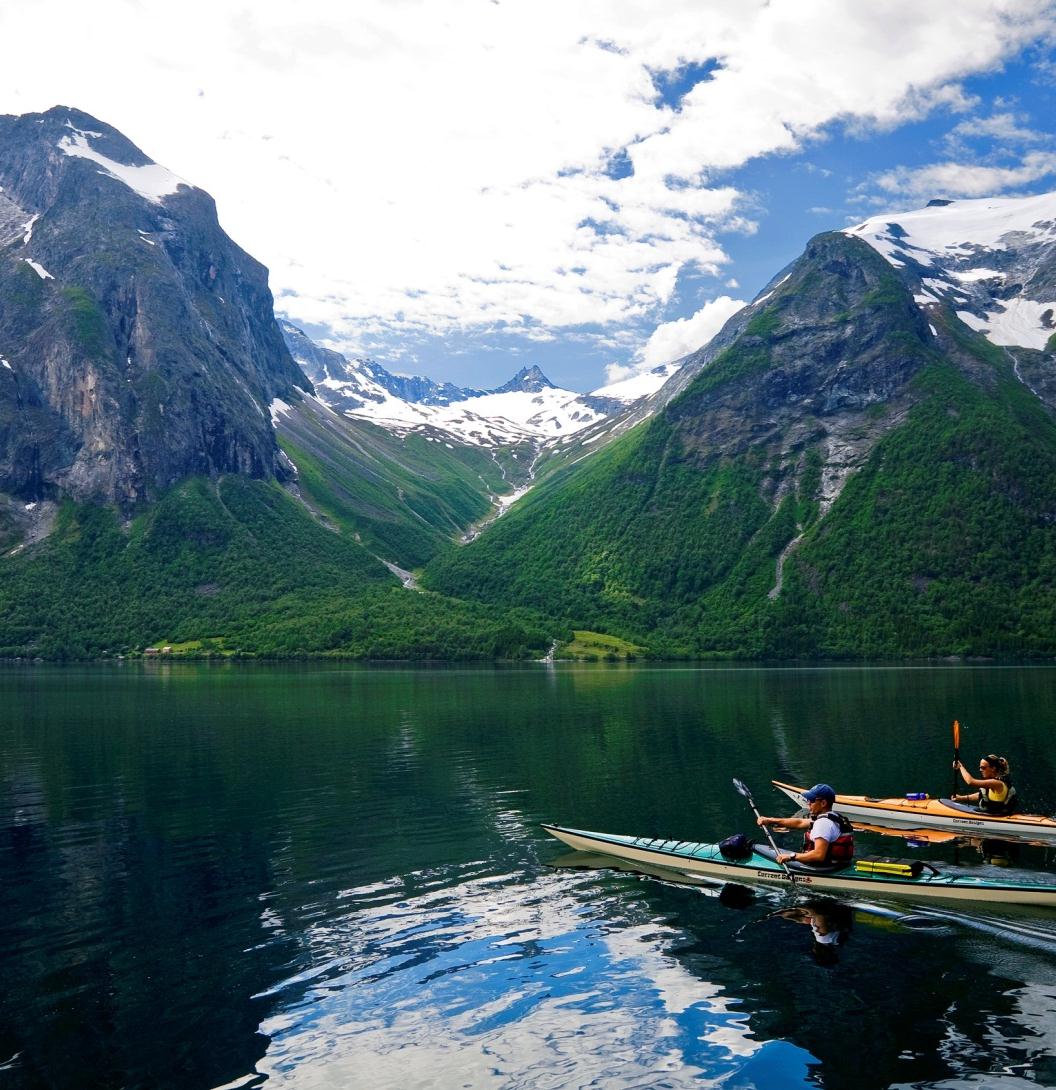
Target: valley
{"type": "Point", "coordinates": [861, 463]}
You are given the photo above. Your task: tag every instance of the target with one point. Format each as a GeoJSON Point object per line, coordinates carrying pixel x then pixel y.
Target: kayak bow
{"type": "Point", "coordinates": [706, 861]}
{"type": "Point", "coordinates": [945, 814]}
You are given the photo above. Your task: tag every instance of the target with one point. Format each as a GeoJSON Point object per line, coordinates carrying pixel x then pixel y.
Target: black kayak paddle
{"type": "Point", "coordinates": [742, 789]}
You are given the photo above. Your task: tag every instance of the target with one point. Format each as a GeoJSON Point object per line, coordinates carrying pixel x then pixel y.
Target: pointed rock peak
{"type": "Point", "coordinates": [80, 136]}
{"type": "Point", "coordinates": [527, 380]}
{"type": "Point", "coordinates": [71, 127]}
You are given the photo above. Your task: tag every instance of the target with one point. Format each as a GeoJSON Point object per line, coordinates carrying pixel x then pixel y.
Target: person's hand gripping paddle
{"type": "Point", "coordinates": [743, 790]}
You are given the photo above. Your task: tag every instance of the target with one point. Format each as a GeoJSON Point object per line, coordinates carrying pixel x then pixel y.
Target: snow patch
{"type": "Point", "coordinates": [969, 276]}
{"type": "Point", "coordinates": [6, 364]}
{"type": "Point", "coordinates": [38, 269]}
{"type": "Point", "coordinates": [960, 228]}
{"type": "Point", "coordinates": [82, 132]}
{"type": "Point", "coordinates": [1022, 322]}
{"type": "Point", "coordinates": [29, 229]}
{"type": "Point", "coordinates": [957, 243]}
{"type": "Point", "coordinates": [486, 420]}
{"type": "Point", "coordinates": [638, 386]}
{"type": "Point", "coordinates": [973, 322]}
{"type": "Point", "coordinates": [153, 181]}
{"type": "Point", "coordinates": [279, 409]}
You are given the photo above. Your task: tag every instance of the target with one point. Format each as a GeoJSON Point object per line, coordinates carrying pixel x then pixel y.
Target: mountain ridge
{"type": "Point", "coordinates": [861, 462]}
{"type": "Point", "coordinates": [836, 409]}
{"type": "Point", "coordinates": [138, 339]}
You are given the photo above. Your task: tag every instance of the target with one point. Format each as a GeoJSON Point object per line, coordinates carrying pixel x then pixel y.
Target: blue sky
{"type": "Point", "coordinates": [833, 181]}
{"type": "Point", "coordinates": [464, 187]}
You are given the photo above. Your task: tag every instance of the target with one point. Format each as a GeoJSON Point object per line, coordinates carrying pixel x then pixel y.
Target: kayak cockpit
{"type": "Point", "coordinates": [970, 808]}
{"type": "Point", "coordinates": [804, 868]}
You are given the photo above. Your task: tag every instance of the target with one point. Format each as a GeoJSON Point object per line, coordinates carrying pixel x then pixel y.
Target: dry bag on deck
{"type": "Point", "coordinates": [737, 846]}
{"type": "Point", "coordinates": [893, 868]}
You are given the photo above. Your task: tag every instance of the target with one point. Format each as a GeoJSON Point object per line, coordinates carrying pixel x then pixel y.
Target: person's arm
{"type": "Point", "coordinates": [818, 854]}
{"type": "Point", "coordinates": [970, 779]}
{"type": "Point", "coordinates": [784, 823]}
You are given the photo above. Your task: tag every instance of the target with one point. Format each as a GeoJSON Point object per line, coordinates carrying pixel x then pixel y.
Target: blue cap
{"type": "Point", "coordinates": [819, 791]}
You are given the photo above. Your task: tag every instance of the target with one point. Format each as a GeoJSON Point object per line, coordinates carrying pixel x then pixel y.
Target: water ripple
{"type": "Point", "coordinates": [489, 982]}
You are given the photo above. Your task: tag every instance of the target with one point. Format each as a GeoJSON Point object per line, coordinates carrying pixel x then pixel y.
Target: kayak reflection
{"type": "Point", "coordinates": [994, 851]}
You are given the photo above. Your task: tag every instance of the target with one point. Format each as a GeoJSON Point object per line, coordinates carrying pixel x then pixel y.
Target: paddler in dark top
{"type": "Point", "coordinates": [828, 836]}
{"type": "Point", "coordinates": [996, 795]}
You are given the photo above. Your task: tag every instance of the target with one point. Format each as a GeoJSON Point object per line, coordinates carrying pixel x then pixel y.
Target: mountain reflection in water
{"type": "Point", "coordinates": [334, 876]}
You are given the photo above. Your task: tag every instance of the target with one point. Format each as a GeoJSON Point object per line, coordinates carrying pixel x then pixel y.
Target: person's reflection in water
{"type": "Point", "coordinates": [830, 923]}
{"type": "Point", "coordinates": [998, 853]}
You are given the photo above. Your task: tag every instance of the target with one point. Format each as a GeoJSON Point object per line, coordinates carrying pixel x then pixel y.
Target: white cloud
{"type": "Point", "coordinates": [672, 340]}
{"type": "Point", "coordinates": [1007, 127]}
{"type": "Point", "coordinates": [965, 179]}
{"type": "Point", "coordinates": [415, 167]}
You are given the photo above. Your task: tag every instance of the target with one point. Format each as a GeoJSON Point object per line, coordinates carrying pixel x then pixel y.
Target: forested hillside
{"type": "Point", "coordinates": [907, 471]}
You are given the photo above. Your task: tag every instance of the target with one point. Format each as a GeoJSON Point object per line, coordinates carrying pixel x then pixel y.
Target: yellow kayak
{"type": "Point", "coordinates": [943, 814]}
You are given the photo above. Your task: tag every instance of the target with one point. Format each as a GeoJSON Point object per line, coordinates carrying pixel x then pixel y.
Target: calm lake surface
{"type": "Point", "coordinates": [334, 876]}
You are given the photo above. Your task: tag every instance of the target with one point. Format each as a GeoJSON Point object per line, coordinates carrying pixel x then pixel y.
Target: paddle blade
{"type": "Point", "coordinates": [741, 789]}
{"type": "Point", "coordinates": [956, 734]}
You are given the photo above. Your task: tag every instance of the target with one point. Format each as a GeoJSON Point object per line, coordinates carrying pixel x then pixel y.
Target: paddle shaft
{"type": "Point", "coordinates": [755, 810]}
{"type": "Point", "coordinates": [956, 753]}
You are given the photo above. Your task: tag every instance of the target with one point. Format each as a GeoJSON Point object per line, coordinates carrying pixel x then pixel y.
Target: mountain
{"type": "Point", "coordinates": [144, 496]}
{"type": "Point", "coordinates": [529, 409]}
{"type": "Point", "coordinates": [348, 384]}
{"type": "Point", "coordinates": [861, 463]}
{"type": "Point", "coordinates": [528, 380]}
{"type": "Point", "coordinates": [850, 468]}
{"type": "Point", "coordinates": [992, 261]}
{"type": "Point", "coordinates": [137, 339]}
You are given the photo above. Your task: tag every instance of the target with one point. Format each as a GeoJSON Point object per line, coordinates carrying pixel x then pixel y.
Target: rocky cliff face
{"type": "Point", "coordinates": [821, 363]}
{"type": "Point", "coordinates": [137, 341]}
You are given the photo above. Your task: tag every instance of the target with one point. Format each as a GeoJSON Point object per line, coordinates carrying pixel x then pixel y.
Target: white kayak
{"type": "Point", "coordinates": [706, 860]}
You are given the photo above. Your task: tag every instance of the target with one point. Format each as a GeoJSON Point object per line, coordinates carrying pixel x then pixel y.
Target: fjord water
{"type": "Point", "coordinates": [334, 876]}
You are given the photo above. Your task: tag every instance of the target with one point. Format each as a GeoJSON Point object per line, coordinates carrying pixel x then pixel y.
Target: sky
{"type": "Point", "coordinates": [461, 188]}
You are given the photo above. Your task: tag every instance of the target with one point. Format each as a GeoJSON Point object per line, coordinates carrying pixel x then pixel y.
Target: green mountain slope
{"type": "Point", "coordinates": [405, 498]}
{"type": "Point", "coordinates": [224, 566]}
{"type": "Point", "coordinates": [909, 474]}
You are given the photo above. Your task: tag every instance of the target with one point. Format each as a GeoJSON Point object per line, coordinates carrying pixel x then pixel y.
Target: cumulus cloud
{"type": "Point", "coordinates": [1006, 127]}
{"type": "Point", "coordinates": [423, 167]}
{"type": "Point", "coordinates": [953, 179]}
{"type": "Point", "coordinates": [672, 340]}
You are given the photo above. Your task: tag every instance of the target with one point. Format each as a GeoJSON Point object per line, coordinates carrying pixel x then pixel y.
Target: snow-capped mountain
{"type": "Point", "coordinates": [527, 408]}
{"type": "Point", "coordinates": [138, 344]}
{"type": "Point", "coordinates": [350, 383]}
{"type": "Point", "coordinates": [992, 260]}
{"type": "Point", "coordinates": [641, 385]}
